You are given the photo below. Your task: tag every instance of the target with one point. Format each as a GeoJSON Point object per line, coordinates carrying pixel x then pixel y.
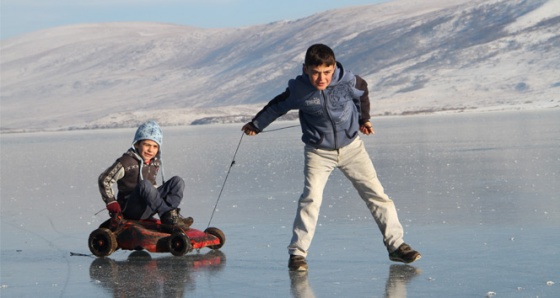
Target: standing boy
{"type": "Point", "coordinates": [333, 106]}
{"type": "Point", "coordinates": [139, 196]}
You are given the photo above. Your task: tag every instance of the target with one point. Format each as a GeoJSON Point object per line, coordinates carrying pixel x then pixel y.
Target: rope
{"type": "Point", "coordinates": [227, 175]}
{"type": "Point", "coordinates": [271, 130]}
{"type": "Point", "coordinates": [77, 254]}
{"type": "Point", "coordinates": [100, 211]}
{"type": "Point", "coordinates": [231, 165]}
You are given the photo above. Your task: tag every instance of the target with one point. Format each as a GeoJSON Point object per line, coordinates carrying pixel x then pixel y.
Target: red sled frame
{"type": "Point", "coordinates": [152, 236]}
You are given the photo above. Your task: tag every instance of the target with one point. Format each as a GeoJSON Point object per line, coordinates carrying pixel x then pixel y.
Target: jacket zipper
{"type": "Point", "coordinates": [329, 118]}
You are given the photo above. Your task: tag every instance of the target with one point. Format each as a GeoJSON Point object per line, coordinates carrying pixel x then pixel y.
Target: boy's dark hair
{"type": "Point", "coordinates": [319, 54]}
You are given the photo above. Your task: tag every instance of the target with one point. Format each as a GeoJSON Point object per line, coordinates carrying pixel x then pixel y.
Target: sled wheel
{"type": "Point", "coordinates": [219, 234]}
{"type": "Point", "coordinates": [179, 244]}
{"type": "Point", "coordinates": [102, 242]}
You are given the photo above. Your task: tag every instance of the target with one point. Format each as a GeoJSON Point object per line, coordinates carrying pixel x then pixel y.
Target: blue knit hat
{"type": "Point", "coordinates": [149, 130]}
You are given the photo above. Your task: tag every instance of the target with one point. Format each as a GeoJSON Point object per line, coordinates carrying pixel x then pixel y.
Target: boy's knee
{"type": "Point", "coordinates": [177, 181]}
{"type": "Point", "coordinates": [145, 182]}
{"type": "Point", "coordinates": [146, 187]}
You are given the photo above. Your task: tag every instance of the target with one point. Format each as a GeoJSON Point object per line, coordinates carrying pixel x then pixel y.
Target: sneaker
{"type": "Point", "coordinates": [297, 263]}
{"type": "Point", "coordinates": [404, 254]}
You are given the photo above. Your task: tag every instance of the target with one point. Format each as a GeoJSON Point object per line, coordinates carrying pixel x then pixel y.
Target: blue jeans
{"type": "Point", "coordinates": [147, 200]}
{"type": "Point", "coordinates": [354, 161]}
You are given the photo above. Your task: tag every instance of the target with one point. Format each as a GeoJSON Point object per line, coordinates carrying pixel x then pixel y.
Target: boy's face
{"type": "Point", "coordinates": [148, 149]}
{"type": "Point", "coordinates": [320, 76]}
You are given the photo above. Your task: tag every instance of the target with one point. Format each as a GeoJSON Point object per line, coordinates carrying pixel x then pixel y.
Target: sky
{"type": "Point", "coordinates": [18, 17]}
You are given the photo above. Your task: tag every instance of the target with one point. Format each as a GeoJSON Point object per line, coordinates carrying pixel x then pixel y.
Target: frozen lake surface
{"type": "Point", "coordinates": [478, 195]}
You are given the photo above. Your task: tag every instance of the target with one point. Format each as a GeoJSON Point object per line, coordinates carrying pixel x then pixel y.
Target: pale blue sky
{"type": "Point", "coordinates": [23, 16]}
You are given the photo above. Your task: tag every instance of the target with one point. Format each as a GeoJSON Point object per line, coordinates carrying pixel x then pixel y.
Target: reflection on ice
{"type": "Point", "coordinates": [399, 276]}
{"type": "Point", "coordinates": [299, 285]}
{"type": "Point", "coordinates": [142, 276]}
{"type": "Point", "coordinates": [395, 287]}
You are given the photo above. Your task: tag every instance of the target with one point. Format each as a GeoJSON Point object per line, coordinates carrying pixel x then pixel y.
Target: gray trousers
{"type": "Point", "coordinates": [354, 161]}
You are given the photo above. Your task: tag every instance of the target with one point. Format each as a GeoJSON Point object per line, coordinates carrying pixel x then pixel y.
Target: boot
{"type": "Point", "coordinates": [174, 219]}
{"type": "Point", "coordinates": [187, 221]}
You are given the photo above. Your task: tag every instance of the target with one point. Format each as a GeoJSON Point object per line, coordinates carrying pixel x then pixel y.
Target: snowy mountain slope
{"type": "Point", "coordinates": [418, 56]}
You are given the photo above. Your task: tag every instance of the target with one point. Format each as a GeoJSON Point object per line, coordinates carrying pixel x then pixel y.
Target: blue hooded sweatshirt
{"type": "Point", "coordinates": [330, 119]}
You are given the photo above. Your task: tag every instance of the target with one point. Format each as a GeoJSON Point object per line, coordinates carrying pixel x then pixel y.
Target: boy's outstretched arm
{"type": "Point", "coordinates": [275, 108]}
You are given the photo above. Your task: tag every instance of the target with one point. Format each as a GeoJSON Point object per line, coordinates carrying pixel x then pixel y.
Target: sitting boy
{"type": "Point", "coordinates": [139, 196]}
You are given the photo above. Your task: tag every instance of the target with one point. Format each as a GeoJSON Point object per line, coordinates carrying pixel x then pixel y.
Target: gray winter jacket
{"type": "Point", "coordinates": [330, 119]}
{"type": "Point", "coordinates": [127, 171]}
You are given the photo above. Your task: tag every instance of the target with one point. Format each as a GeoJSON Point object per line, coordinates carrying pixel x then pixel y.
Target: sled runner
{"type": "Point", "coordinates": [150, 235]}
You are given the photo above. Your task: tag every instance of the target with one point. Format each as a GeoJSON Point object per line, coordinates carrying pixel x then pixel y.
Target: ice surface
{"type": "Point", "coordinates": [477, 194]}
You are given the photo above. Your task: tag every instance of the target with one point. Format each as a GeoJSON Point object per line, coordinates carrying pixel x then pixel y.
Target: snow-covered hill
{"type": "Point", "coordinates": [418, 56]}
